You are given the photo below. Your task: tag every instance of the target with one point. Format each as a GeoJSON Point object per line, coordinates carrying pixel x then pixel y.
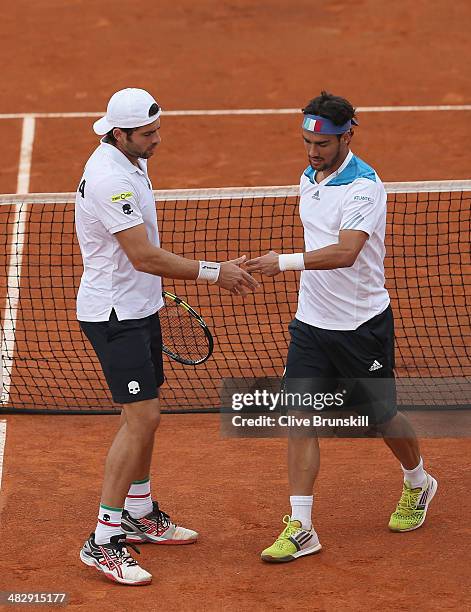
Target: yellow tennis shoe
{"type": "Point", "coordinates": [293, 542]}
{"type": "Point", "coordinates": [412, 507]}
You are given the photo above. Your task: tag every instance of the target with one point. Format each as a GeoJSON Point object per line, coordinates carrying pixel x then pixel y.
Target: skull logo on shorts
{"type": "Point", "coordinates": [134, 387]}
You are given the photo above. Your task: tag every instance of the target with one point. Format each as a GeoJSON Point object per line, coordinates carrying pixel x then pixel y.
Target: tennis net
{"type": "Point", "coordinates": [48, 365]}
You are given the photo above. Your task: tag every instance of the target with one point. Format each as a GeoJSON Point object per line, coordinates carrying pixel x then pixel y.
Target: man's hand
{"type": "Point", "coordinates": [234, 279]}
{"type": "Point", "coordinates": [266, 264]}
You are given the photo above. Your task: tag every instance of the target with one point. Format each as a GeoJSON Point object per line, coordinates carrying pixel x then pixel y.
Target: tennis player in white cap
{"type": "Point", "coordinates": [118, 301]}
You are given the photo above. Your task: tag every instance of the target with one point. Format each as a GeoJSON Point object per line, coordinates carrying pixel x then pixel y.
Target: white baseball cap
{"type": "Point", "coordinates": [127, 108]}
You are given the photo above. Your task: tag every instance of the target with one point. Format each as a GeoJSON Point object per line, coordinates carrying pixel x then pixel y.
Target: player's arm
{"type": "Point", "coordinates": [117, 208]}
{"type": "Point", "coordinates": [146, 257]}
{"type": "Point", "coordinates": [363, 206]}
{"type": "Point", "coordinates": [340, 255]}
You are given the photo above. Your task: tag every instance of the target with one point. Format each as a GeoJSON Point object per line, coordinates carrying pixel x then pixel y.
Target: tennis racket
{"type": "Point", "coordinates": [185, 336]}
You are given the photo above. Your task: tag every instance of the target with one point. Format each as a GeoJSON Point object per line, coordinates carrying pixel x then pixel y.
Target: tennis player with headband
{"type": "Point", "coordinates": [117, 305]}
{"type": "Point", "coordinates": [343, 329]}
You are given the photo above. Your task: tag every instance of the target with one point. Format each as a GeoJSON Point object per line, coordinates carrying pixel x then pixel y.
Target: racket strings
{"type": "Point", "coordinates": [182, 334]}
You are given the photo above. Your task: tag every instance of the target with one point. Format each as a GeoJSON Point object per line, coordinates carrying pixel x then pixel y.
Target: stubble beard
{"type": "Point", "coordinates": [327, 166]}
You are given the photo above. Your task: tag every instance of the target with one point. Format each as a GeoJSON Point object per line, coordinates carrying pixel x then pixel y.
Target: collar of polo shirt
{"type": "Point", "coordinates": [121, 159]}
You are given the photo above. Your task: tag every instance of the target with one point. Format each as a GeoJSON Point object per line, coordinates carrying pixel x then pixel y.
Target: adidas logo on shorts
{"type": "Point", "coordinates": [375, 366]}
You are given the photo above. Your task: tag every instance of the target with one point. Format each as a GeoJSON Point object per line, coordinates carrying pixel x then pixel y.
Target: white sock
{"type": "Point", "coordinates": [415, 477]}
{"type": "Point", "coordinates": [301, 509]}
{"type": "Point", "coordinates": [139, 500]}
{"type": "Point", "coordinates": [108, 525]}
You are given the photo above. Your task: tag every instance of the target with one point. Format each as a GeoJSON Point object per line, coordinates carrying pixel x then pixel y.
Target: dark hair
{"type": "Point", "coordinates": [337, 109]}
{"type": "Point", "coordinates": [109, 137]}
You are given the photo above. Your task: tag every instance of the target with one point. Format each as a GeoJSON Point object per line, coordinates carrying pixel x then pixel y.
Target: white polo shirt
{"type": "Point", "coordinates": [354, 198]}
{"type": "Point", "coordinates": [114, 195]}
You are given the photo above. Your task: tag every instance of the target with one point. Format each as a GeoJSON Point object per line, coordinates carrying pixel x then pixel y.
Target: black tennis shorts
{"type": "Point", "coordinates": [130, 354]}
{"type": "Point", "coordinates": [359, 363]}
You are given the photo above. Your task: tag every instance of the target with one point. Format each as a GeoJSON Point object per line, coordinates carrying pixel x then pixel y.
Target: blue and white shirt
{"type": "Point", "coordinates": [352, 198]}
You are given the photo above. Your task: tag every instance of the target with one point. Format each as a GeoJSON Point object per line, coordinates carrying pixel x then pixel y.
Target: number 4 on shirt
{"type": "Point", "coordinates": [82, 188]}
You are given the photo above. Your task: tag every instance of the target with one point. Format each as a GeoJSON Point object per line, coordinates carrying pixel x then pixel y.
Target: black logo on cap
{"type": "Point", "coordinates": [154, 109]}
{"type": "Point", "coordinates": [127, 210]}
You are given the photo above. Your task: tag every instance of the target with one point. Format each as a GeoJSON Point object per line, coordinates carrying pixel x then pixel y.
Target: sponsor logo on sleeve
{"type": "Point", "coordinates": [363, 198]}
{"type": "Point", "coordinates": [121, 196]}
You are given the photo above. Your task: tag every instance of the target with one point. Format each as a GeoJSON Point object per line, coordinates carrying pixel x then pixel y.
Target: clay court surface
{"type": "Point", "coordinates": [69, 57]}
{"type": "Point", "coordinates": [234, 493]}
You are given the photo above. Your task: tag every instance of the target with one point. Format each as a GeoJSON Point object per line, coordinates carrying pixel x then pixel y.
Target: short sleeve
{"type": "Point", "coordinates": [116, 205]}
{"type": "Point", "coordinates": [363, 206]}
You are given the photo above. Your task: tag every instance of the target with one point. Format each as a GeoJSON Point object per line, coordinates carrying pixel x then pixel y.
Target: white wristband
{"type": "Point", "coordinates": [294, 261]}
{"type": "Point", "coordinates": [209, 271]}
